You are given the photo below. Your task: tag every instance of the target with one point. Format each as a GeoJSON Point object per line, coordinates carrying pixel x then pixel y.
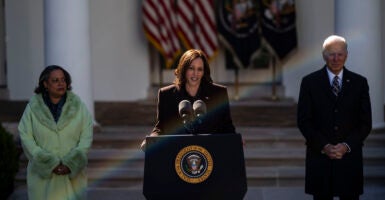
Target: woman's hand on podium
{"type": "Point", "coordinates": [143, 145]}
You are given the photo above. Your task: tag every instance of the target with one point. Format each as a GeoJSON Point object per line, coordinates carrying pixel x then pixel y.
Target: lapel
{"type": "Point", "coordinates": [325, 84]}
{"type": "Point", "coordinates": [346, 83]}
{"type": "Point", "coordinates": [43, 114]}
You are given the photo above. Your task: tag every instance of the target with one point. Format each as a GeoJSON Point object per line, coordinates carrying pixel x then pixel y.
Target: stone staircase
{"type": "Point", "coordinates": [246, 112]}
{"type": "Point", "coordinates": [274, 148]}
{"type": "Point", "coordinates": [274, 158]}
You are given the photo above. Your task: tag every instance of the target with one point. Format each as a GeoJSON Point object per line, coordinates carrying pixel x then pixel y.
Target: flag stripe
{"type": "Point", "coordinates": [166, 23]}
{"type": "Point", "coordinates": [209, 26]}
{"type": "Point", "coordinates": [196, 25]}
{"type": "Point", "coordinates": [159, 24]}
{"type": "Point", "coordinates": [205, 30]}
{"type": "Point", "coordinates": [166, 29]}
{"type": "Point", "coordinates": [185, 23]}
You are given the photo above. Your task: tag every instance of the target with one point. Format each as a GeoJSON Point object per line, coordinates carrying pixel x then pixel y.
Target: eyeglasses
{"type": "Point", "coordinates": [58, 80]}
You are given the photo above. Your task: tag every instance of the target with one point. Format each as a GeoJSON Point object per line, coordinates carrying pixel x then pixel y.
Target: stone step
{"type": "Point", "coordinates": [132, 158]}
{"type": "Point", "coordinates": [264, 167]}
{"type": "Point", "coordinates": [254, 137]}
{"type": "Point", "coordinates": [296, 157]}
{"type": "Point", "coordinates": [273, 157]}
{"type": "Point", "coordinates": [295, 176]}
{"type": "Point", "coordinates": [260, 113]}
{"type": "Point", "coordinates": [280, 176]}
{"type": "Point", "coordinates": [256, 176]}
{"type": "Point", "coordinates": [256, 141]}
{"type": "Point", "coordinates": [253, 193]}
{"type": "Point", "coordinates": [247, 112]}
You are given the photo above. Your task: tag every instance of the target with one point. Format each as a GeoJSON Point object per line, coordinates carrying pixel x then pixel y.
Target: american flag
{"type": "Point", "coordinates": [196, 25]}
{"type": "Point", "coordinates": [166, 23]}
{"type": "Point", "coordinates": [160, 27]}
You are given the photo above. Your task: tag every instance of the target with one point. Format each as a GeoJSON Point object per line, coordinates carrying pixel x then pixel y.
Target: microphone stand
{"type": "Point", "coordinates": [197, 122]}
{"type": "Point", "coordinates": [189, 128]}
{"type": "Point", "coordinates": [188, 124]}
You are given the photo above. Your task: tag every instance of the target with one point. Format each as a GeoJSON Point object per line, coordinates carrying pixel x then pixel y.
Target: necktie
{"type": "Point", "coordinates": [335, 86]}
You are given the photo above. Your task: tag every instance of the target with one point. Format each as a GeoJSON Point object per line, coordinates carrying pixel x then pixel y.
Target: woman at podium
{"type": "Point", "coordinates": [193, 104]}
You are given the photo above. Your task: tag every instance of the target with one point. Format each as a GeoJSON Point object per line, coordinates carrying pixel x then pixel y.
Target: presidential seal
{"type": "Point", "coordinates": [193, 164]}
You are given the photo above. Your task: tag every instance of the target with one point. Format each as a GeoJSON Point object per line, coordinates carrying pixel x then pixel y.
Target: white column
{"type": "Point", "coordinates": [360, 23]}
{"type": "Point", "coordinates": [3, 81]}
{"type": "Point", "coordinates": [67, 43]}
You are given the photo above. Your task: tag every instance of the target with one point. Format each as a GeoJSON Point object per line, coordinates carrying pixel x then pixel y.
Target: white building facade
{"type": "Point", "coordinates": [110, 59]}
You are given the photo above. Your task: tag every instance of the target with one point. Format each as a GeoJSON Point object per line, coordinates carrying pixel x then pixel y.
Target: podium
{"type": "Point", "coordinates": [207, 166]}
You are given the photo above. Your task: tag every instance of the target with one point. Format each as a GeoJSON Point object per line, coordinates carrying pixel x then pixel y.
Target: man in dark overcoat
{"type": "Point", "coordinates": [334, 116]}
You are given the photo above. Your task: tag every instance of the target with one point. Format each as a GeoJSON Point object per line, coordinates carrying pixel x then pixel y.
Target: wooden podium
{"type": "Point", "coordinates": [209, 166]}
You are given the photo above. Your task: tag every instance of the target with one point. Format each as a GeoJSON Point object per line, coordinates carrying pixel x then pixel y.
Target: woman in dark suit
{"type": "Point", "coordinates": [193, 82]}
{"type": "Point", "coordinates": [334, 116]}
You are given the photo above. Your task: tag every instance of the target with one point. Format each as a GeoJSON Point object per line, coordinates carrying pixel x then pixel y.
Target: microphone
{"type": "Point", "coordinates": [185, 111]}
{"type": "Point", "coordinates": [200, 109]}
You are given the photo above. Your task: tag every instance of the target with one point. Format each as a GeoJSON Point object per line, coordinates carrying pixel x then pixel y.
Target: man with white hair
{"type": "Point", "coordinates": [334, 116]}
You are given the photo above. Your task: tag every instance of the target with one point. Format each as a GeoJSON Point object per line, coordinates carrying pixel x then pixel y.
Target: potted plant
{"type": "Point", "coordinates": [9, 162]}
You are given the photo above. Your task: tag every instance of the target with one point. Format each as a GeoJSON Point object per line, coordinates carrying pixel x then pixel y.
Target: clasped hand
{"type": "Point", "coordinates": [61, 170]}
{"type": "Point", "coordinates": [335, 151]}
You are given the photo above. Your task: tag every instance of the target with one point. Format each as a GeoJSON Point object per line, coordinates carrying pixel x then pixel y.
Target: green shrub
{"type": "Point", "coordinates": [9, 163]}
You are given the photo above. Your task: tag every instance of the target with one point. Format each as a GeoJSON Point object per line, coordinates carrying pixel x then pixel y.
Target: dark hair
{"type": "Point", "coordinates": [45, 75]}
{"type": "Point", "coordinates": [184, 63]}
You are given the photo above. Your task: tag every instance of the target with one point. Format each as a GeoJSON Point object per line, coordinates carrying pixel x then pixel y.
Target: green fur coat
{"type": "Point", "coordinates": [47, 143]}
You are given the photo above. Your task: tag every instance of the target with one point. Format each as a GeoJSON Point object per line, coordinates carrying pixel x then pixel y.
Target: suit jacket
{"type": "Point", "coordinates": [324, 118]}
{"type": "Point", "coordinates": [216, 120]}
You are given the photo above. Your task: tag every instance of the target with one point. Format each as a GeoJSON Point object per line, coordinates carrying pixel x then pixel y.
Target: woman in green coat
{"type": "Point", "coordinates": [56, 134]}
